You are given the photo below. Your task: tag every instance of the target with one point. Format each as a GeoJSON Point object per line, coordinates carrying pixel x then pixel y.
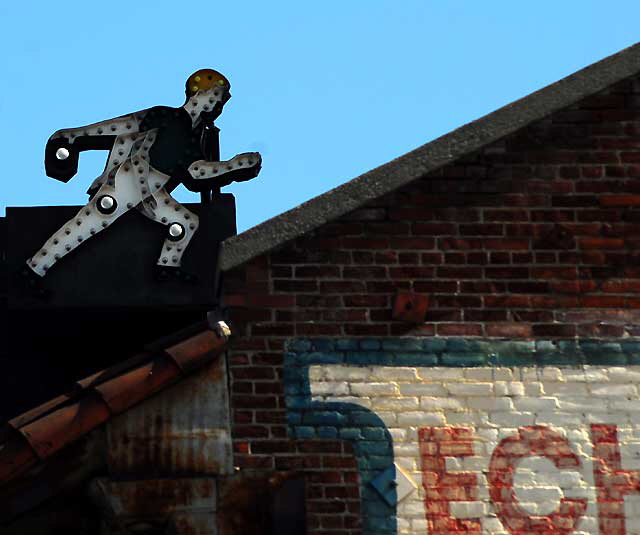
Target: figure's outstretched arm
{"type": "Point", "coordinates": [242, 167]}
{"type": "Point", "coordinates": [64, 146]}
{"type": "Point", "coordinates": [125, 124]}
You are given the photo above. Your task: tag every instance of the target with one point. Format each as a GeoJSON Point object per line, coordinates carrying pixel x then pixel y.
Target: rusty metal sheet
{"type": "Point", "coordinates": [37, 412]}
{"type": "Point", "coordinates": [68, 469]}
{"type": "Point", "coordinates": [251, 504]}
{"type": "Point", "coordinates": [16, 456]}
{"type": "Point", "coordinates": [192, 524]}
{"type": "Point", "coordinates": [189, 353]}
{"type": "Point", "coordinates": [183, 430]}
{"type": "Point", "coordinates": [152, 504]}
{"type": "Point", "coordinates": [122, 392]}
{"type": "Point", "coordinates": [194, 439]}
{"type": "Point", "coordinates": [155, 497]}
{"type": "Point", "coordinates": [59, 428]}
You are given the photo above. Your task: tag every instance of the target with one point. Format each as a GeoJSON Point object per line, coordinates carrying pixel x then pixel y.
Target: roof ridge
{"type": "Point", "coordinates": [429, 157]}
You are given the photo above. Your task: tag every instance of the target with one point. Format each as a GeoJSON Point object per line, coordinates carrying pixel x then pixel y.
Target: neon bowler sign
{"type": "Point", "coordinates": [489, 449]}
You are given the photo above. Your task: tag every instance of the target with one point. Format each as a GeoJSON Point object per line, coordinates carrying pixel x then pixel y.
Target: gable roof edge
{"type": "Point", "coordinates": [429, 157]}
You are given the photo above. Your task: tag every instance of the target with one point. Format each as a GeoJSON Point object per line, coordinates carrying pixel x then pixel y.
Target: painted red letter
{"type": "Point", "coordinates": [441, 487]}
{"type": "Point", "coordinates": [539, 441]}
{"type": "Point", "coordinates": [612, 482]}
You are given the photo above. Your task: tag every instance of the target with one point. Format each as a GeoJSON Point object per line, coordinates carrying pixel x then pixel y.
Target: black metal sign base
{"type": "Point", "coordinates": [118, 266]}
{"type": "Point", "coordinates": [105, 301]}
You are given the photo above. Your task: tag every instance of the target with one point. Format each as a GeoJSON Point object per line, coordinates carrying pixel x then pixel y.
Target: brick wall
{"type": "Point", "coordinates": [535, 237]}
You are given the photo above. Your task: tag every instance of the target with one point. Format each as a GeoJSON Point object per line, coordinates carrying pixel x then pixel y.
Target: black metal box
{"type": "Point", "coordinates": [116, 268]}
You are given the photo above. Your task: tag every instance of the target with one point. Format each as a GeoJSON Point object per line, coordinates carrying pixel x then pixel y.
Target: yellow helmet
{"type": "Point", "coordinates": [205, 79]}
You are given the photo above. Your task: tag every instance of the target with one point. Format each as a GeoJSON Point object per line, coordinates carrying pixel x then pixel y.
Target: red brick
{"type": "Point", "coordinates": [250, 431]}
{"type": "Point", "coordinates": [413, 243]}
{"type": "Point", "coordinates": [382, 257]}
{"type": "Point", "coordinates": [286, 285]}
{"type": "Point", "coordinates": [538, 301]}
{"type": "Point", "coordinates": [411, 257]}
{"type": "Point", "coordinates": [253, 372]}
{"type": "Point", "coordinates": [489, 287]}
{"type": "Point", "coordinates": [254, 462]}
{"type": "Point", "coordinates": [438, 315]}
{"type": "Point", "coordinates": [533, 316]}
{"type": "Point", "coordinates": [461, 301]}
{"type": "Point", "coordinates": [342, 287]}
{"type": "Point", "coordinates": [242, 417]}
{"type": "Point", "coordinates": [509, 330]}
{"type": "Point", "coordinates": [366, 300]}
{"type": "Point", "coordinates": [563, 272]}
{"type": "Point", "coordinates": [363, 329]}
{"type": "Point", "coordinates": [506, 215]}
{"type": "Point", "coordinates": [507, 244]}
{"type": "Point", "coordinates": [459, 329]}
{"type": "Point", "coordinates": [574, 287]}
{"type": "Point", "coordinates": [506, 301]}
{"type": "Point", "coordinates": [271, 416]}
{"type": "Point", "coordinates": [601, 243]}
{"type": "Point", "coordinates": [317, 271]}
{"type": "Point", "coordinates": [553, 215]}
{"type": "Point", "coordinates": [393, 228]}
{"type": "Point", "coordinates": [381, 286]}
{"type": "Point", "coordinates": [621, 286]}
{"type": "Point", "coordinates": [480, 229]}
{"type": "Point", "coordinates": [344, 314]}
{"type": "Point", "coordinates": [454, 258]}
{"type": "Point", "coordinates": [485, 315]}
{"type": "Point", "coordinates": [269, 388]}
{"type": "Point", "coordinates": [331, 507]}
{"type": "Point", "coordinates": [506, 272]}
{"type": "Point", "coordinates": [318, 301]}
{"type": "Point", "coordinates": [445, 244]}
{"type": "Point", "coordinates": [436, 286]}
{"type": "Point", "coordinates": [245, 401]}
{"type": "Point", "coordinates": [318, 446]}
{"type": "Point", "coordinates": [431, 258]}
{"type": "Point", "coordinates": [242, 388]}
{"type": "Point", "coordinates": [459, 272]}
{"type": "Point", "coordinates": [369, 272]}
{"type": "Point", "coordinates": [599, 215]}
{"type": "Point", "coordinates": [528, 287]}
{"type": "Point", "coordinates": [317, 329]}
{"type": "Point", "coordinates": [433, 229]}
{"type": "Point", "coordinates": [601, 330]}
{"type": "Point", "coordinates": [620, 200]}
{"type": "Point", "coordinates": [411, 272]}
{"type": "Point", "coordinates": [602, 301]}
{"type": "Point", "coordinates": [272, 329]}
{"type": "Point", "coordinates": [337, 462]}
{"type": "Point", "coordinates": [365, 243]}
{"type": "Point", "coordinates": [554, 329]}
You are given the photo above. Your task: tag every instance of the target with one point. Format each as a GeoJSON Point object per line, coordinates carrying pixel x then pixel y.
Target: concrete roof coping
{"type": "Point", "coordinates": [429, 157]}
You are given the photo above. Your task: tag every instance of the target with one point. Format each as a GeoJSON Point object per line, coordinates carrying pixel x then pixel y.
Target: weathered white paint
{"type": "Point", "coordinates": [495, 403]}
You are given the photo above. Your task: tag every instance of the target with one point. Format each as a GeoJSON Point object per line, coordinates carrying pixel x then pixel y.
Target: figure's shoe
{"type": "Point", "coordinates": [171, 273]}
{"type": "Point", "coordinates": [34, 283]}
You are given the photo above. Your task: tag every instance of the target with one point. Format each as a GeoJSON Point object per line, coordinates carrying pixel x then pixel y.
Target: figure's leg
{"type": "Point", "coordinates": [181, 226]}
{"type": "Point", "coordinates": [114, 198]}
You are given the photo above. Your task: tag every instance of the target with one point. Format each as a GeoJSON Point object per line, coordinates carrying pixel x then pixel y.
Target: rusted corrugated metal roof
{"type": "Point", "coordinates": [36, 435]}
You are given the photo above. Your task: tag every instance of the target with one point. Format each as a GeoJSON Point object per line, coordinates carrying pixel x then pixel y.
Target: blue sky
{"type": "Point", "coordinates": [324, 90]}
